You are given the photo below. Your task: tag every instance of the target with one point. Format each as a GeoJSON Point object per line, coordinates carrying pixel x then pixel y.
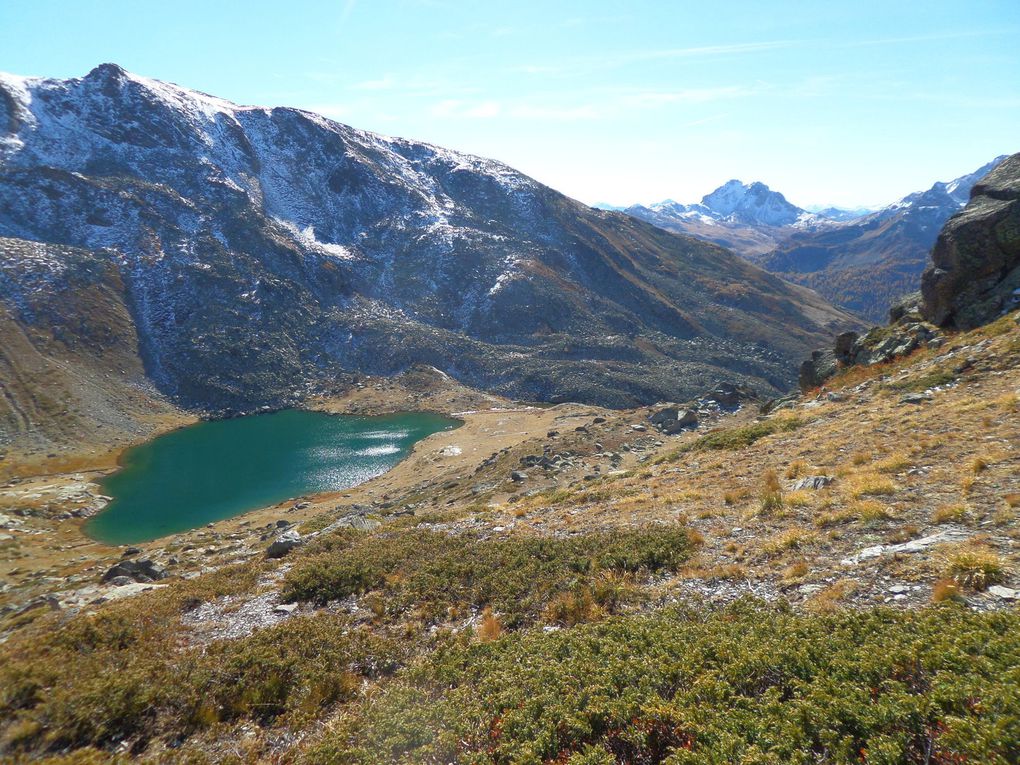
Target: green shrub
{"type": "Point", "coordinates": [747, 685]}
{"type": "Point", "coordinates": [117, 675]}
{"type": "Point", "coordinates": [738, 437]}
{"type": "Point", "coordinates": [517, 577]}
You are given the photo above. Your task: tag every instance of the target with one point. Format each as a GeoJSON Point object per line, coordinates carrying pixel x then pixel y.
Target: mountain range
{"type": "Point", "coordinates": [234, 257]}
{"type": "Point", "coordinates": [860, 260]}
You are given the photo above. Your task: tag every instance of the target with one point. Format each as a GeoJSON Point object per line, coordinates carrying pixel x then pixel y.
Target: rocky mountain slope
{"type": "Point", "coordinates": [860, 262]}
{"type": "Point", "coordinates": [258, 254]}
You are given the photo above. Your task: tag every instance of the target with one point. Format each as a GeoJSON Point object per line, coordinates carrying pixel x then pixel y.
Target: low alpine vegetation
{"type": "Point", "coordinates": [517, 578]}
{"type": "Point", "coordinates": [749, 684]}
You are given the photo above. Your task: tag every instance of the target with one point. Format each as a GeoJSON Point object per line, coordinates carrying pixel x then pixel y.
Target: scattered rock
{"type": "Point", "coordinates": [915, 398]}
{"type": "Point", "coordinates": [518, 476]}
{"type": "Point", "coordinates": [128, 590]}
{"type": "Point", "coordinates": [975, 264]}
{"type": "Point", "coordinates": [817, 369]}
{"type": "Point", "coordinates": [288, 608]}
{"type": "Point", "coordinates": [913, 546]}
{"type": "Point", "coordinates": [813, 482]}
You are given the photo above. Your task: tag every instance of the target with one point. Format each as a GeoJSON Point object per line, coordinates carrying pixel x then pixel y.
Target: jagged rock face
{"type": "Point", "coordinates": [263, 253]}
{"type": "Point", "coordinates": [975, 271]}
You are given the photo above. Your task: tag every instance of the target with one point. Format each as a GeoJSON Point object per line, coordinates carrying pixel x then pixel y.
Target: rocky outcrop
{"type": "Point", "coordinates": [974, 276]}
{"type": "Point", "coordinates": [906, 332]}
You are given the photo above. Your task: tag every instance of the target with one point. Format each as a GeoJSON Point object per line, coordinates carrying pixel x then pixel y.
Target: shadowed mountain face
{"type": "Point", "coordinates": [267, 253]}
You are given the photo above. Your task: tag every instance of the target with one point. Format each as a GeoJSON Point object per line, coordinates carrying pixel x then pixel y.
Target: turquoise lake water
{"type": "Point", "coordinates": [220, 469]}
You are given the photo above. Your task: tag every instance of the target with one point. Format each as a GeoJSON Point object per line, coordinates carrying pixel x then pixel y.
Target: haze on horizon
{"type": "Point", "coordinates": [607, 102]}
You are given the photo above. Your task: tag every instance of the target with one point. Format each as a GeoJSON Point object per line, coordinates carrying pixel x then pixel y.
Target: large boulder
{"type": "Point", "coordinates": [284, 543]}
{"type": "Point", "coordinates": [975, 272]}
{"type": "Point", "coordinates": [673, 419]}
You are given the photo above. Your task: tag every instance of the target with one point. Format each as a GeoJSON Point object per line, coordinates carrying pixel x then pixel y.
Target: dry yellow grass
{"type": "Point", "coordinates": [791, 539]}
{"type": "Point", "coordinates": [771, 496]}
{"type": "Point", "coordinates": [829, 599]}
{"type": "Point", "coordinates": [869, 485]}
{"type": "Point", "coordinates": [796, 469]}
{"type": "Point", "coordinates": [489, 628]}
{"type": "Point", "coordinates": [894, 463]}
{"type": "Point", "coordinates": [799, 498]}
{"type": "Point", "coordinates": [870, 511]}
{"type": "Point", "coordinates": [860, 458]}
{"type": "Point", "coordinates": [946, 589]}
{"type": "Point", "coordinates": [949, 514]}
{"type": "Point", "coordinates": [794, 572]}
{"type": "Point", "coordinates": [979, 464]}
{"type": "Point", "coordinates": [735, 496]}
{"type": "Point", "coordinates": [973, 566]}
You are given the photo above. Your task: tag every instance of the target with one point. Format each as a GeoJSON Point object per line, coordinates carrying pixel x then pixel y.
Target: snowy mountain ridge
{"type": "Point", "coordinates": [263, 252]}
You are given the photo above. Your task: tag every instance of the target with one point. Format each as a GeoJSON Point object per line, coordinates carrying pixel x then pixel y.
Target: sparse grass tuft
{"type": "Point", "coordinates": [791, 539]}
{"type": "Point", "coordinates": [894, 463]}
{"type": "Point", "coordinates": [869, 485]}
{"type": "Point", "coordinates": [734, 496]}
{"type": "Point", "coordinates": [796, 469]}
{"type": "Point", "coordinates": [946, 589]}
{"type": "Point", "coordinates": [949, 514]}
{"type": "Point", "coordinates": [489, 628]}
{"type": "Point", "coordinates": [974, 567]}
{"type": "Point", "coordinates": [795, 572]}
{"type": "Point", "coordinates": [834, 518]}
{"type": "Point", "coordinates": [771, 496]}
{"type": "Point", "coordinates": [869, 511]}
{"type": "Point", "coordinates": [979, 465]}
{"type": "Point", "coordinates": [799, 498]}
{"type": "Point", "coordinates": [828, 600]}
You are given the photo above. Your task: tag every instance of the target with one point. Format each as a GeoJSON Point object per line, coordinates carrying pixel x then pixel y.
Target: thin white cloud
{"type": "Point", "coordinates": [387, 82]}
{"type": "Point", "coordinates": [615, 60]}
{"type": "Point", "coordinates": [453, 108]}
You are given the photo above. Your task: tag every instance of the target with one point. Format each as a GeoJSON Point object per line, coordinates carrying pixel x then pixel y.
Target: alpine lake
{"type": "Point", "coordinates": [223, 468]}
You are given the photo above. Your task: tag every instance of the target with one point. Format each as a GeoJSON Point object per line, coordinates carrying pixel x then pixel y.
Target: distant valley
{"type": "Point", "coordinates": [861, 260]}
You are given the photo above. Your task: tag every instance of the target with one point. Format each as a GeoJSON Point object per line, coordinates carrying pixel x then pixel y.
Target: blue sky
{"type": "Point", "coordinates": [847, 103]}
